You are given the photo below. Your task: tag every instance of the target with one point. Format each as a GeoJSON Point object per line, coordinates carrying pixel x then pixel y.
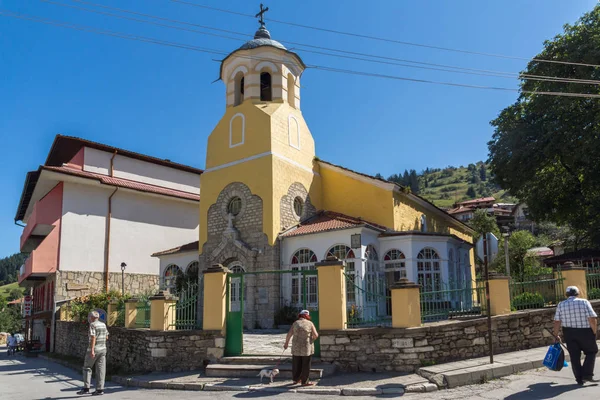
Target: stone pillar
{"type": "Point", "coordinates": [162, 311]}
{"type": "Point", "coordinates": [332, 294]}
{"type": "Point", "coordinates": [499, 295]}
{"type": "Point", "coordinates": [112, 313]}
{"type": "Point", "coordinates": [406, 304]}
{"type": "Point", "coordinates": [215, 279]}
{"type": "Point", "coordinates": [573, 275]}
{"type": "Point", "coordinates": [130, 312]}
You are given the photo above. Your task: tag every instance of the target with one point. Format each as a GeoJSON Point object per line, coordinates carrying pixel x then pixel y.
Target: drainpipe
{"type": "Point", "coordinates": [107, 237]}
{"type": "Point", "coordinates": [112, 164]}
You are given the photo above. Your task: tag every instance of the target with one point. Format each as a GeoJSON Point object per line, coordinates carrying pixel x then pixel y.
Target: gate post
{"type": "Point", "coordinates": [499, 295]}
{"type": "Point", "coordinates": [130, 312]}
{"type": "Point", "coordinates": [215, 290]}
{"type": "Point", "coordinates": [111, 313]}
{"type": "Point", "coordinates": [406, 304]}
{"type": "Point", "coordinates": [573, 275]}
{"type": "Point", "coordinates": [332, 294]}
{"type": "Point", "coordinates": [162, 311]}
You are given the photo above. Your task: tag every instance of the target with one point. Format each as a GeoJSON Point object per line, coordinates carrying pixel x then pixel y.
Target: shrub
{"type": "Point", "coordinates": [82, 306]}
{"type": "Point", "coordinates": [594, 294]}
{"type": "Point", "coordinates": [528, 300]}
{"type": "Point", "coordinates": [286, 315]}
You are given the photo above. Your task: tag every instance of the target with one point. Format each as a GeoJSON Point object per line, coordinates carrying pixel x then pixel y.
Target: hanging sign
{"type": "Point", "coordinates": [27, 305]}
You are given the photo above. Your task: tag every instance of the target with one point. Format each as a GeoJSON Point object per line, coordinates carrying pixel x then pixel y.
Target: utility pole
{"type": "Point", "coordinates": [506, 261]}
{"type": "Point", "coordinates": [487, 297]}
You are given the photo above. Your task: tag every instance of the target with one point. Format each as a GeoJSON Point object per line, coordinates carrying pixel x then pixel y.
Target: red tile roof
{"type": "Point", "coordinates": [329, 221]}
{"type": "Point", "coordinates": [124, 183]}
{"type": "Point", "coordinates": [475, 201]}
{"type": "Point", "coordinates": [458, 210]}
{"type": "Point", "coordinates": [194, 246]}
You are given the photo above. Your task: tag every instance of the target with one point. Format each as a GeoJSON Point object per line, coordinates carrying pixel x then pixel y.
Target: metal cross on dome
{"type": "Point", "coordinates": [261, 14]}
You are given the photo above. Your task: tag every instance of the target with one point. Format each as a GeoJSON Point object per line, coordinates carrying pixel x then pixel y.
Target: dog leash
{"type": "Point", "coordinates": [280, 357]}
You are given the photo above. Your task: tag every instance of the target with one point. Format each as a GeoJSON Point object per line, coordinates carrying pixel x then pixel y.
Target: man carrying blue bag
{"type": "Point", "coordinates": [579, 324]}
{"type": "Point", "coordinates": [555, 358]}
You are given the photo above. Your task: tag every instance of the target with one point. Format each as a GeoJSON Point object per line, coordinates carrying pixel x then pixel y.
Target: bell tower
{"type": "Point", "coordinates": [261, 144]}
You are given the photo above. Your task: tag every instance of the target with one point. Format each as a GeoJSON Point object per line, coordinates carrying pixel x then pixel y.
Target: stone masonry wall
{"type": "Point", "coordinates": [248, 245]}
{"type": "Point", "coordinates": [142, 350]}
{"type": "Point", "coordinates": [286, 206]}
{"type": "Point", "coordinates": [70, 284]}
{"type": "Point", "coordinates": [405, 350]}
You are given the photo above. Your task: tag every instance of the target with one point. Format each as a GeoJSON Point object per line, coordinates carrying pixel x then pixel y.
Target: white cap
{"type": "Point", "coordinates": [304, 312]}
{"type": "Point", "coordinates": [572, 291]}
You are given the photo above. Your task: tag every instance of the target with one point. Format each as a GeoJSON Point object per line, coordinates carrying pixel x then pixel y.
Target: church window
{"type": "Point", "coordinates": [172, 272]}
{"type": "Point", "coordinates": [234, 206]}
{"type": "Point", "coordinates": [237, 130]}
{"type": "Point", "coordinates": [346, 254]}
{"type": "Point", "coordinates": [373, 281]}
{"type": "Point", "coordinates": [239, 89]}
{"type": "Point", "coordinates": [291, 92]}
{"type": "Point", "coordinates": [298, 206]}
{"type": "Point", "coordinates": [302, 260]}
{"type": "Point", "coordinates": [428, 270]}
{"type": "Point", "coordinates": [235, 291]}
{"type": "Point", "coordinates": [395, 265]}
{"type": "Point", "coordinates": [423, 223]}
{"type": "Point", "coordinates": [266, 91]}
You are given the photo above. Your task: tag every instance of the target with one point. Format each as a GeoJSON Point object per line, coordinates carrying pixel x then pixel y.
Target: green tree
{"type": "Point", "coordinates": [483, 172]}
{"type": "Point", "coordinates": [518, 244]}
{"type": "Point", "coordinates": [15, 294]}
{"type": "Point", "coordinates": [482, 222]}
{"type": "Point", "coordinates": [10, 320]}
{"type": "Point", "coordinates": [471, 192]}
{"type": "Point", "coordinates": [545, 149]}
{"type": "Point", "coordinates": [414, 181]}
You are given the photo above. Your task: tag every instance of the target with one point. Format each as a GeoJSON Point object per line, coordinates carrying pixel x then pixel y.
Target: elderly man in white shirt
{"type": "Point", "coordinates": [580, 326]}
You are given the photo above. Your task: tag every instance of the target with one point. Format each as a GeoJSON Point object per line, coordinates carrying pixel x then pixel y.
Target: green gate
{"type": "Point", "coordinates": [185, 315]}
{"type": "Point", "coordinates": [234, 321]}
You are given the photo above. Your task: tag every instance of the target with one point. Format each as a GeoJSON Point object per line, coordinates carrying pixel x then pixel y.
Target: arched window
{"type": "Point", "coordinates": [346, 254]}
{"type": "Point", "coordinates": [239, 89]}
{"type": "Point", "coordinates": [452, 269]}
{"type": "Point", "coordinates": [266, 92]}
{"type": "Point", "coordinates": [394, 263]}
{"type": "Point", "coordinates": [374, 284]}
{"type": "Point", "coordinates": [191, 272]}
{"type": "Point", "coordinates": [235, 291]}
{"type": "Point", "coordinates": [291, 90]}
{"type": "Point", "coordinates": [428, 270]}
{"type": "Point", "coordinates": [172, 272]}
{"type": "Point", "coordinates": [302, 260]}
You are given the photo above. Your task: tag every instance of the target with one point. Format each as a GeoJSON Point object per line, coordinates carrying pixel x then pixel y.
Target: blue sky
{"type": "Point", "coordinates": [162, 101]}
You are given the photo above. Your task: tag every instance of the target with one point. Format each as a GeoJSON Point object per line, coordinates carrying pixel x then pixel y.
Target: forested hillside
{"type": "Point", "coordinates": [446, 186]}
{"type": "Point", "coordinates": [9, 268]}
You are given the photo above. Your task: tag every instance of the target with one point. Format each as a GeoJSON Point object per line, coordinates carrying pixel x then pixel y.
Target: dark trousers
{"type": "Point", "coordinates": [301, 368]}
{"type": "Point", "coordinates": [581, 340]}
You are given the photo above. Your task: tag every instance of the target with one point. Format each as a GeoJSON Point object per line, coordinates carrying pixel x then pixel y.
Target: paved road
{"type": "Point", "coordinates": [37, 379]}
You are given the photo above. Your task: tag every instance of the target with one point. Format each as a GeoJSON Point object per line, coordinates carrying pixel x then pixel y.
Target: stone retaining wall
{"type": "Point", "coordinates": [71, 284]}
{"type": "Point", "coordinates": [142, 350]}
{"type": "Point", "coordinates": [387, 349]}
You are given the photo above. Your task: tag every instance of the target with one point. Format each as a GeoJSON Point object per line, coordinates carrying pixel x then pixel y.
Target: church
{"type": "Point", "coordinates": [268, 203]}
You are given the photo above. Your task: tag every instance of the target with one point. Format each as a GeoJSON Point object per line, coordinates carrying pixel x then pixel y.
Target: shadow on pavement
{"type": "Point", "coordinates": [542, 391]}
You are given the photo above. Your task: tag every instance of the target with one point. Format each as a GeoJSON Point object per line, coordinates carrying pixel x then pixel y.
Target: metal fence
{"type": "Point", "coordinates": [120, 321]}
{"type": "Point", "coordinates": [185, 315]}
{"type": "Point", "coordinates": [142, 318]}
{"type": "Point", "coordinates": [536, 291]}
{"type": "Point", "coordinates": [368, 301]}
{"type": "Point", "coordinates": [452, 300]}
{"type": "Point", "coordinates": [593, 280]}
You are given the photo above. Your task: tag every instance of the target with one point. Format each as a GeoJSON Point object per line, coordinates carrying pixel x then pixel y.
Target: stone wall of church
{"type": "Point", "coordinates": [70, 284]}
{"type": "Point", "coordinates": [247, 244]}
{"type": "Point", "coordinates": [288, 214]}
{"type": "Point", "coordinates": [405, 350]}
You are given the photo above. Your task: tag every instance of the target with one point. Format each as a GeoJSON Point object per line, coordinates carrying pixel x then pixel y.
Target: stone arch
{"type": "Point", "coordinates": [288, 216]}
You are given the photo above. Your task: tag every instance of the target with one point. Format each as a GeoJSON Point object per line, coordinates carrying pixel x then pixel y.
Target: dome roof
{"type": "Point", "coordinates": [262, 37]}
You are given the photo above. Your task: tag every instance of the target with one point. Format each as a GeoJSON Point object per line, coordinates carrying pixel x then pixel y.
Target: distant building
{"type": "Point", "coordinates": [521, 219]}
{"type": "Point", "coordinates": [465, 210]}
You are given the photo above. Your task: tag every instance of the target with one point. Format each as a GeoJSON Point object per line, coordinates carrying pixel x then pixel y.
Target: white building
{"type": "Point", "coordinates": [92, 207]}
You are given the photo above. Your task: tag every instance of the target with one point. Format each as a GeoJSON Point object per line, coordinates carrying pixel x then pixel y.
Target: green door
{"type": "Point", "coordinates": [234, 320]}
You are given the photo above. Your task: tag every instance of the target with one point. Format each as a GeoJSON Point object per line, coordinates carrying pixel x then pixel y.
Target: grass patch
{"type": "Point", "coordinates": [5, 290]}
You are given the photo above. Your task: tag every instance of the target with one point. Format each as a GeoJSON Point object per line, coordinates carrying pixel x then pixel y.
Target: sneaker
{"type": "Point", "coordinates": [308, 384]}
{"type": "Point", "coordinates": [83, 391]}
{"type": "Point", "coordinates": [591, 380]}
{"type": "Point", "coordinates": [98, 393]}
{"type": "Point", "coordinates": [580, 383]}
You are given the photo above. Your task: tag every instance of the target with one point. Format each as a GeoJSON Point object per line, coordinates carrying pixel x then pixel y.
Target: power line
{"type": "Point", "coordinates": [386, 39]}
{"type": "Point", "coordinates": [436, 67]}
{"type": "Point", "coordinates": [84, 28]}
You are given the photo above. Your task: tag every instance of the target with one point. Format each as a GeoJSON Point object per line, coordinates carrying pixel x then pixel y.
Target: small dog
{"type": "Point", "coordinates": [268, 373]}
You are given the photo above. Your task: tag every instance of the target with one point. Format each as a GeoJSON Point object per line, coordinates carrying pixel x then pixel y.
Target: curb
{"type": "Point", "coordinates": [212, 387]}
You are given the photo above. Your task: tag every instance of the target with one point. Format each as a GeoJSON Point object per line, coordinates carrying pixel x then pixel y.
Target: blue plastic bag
{"type": "Point", "coordinates": [555, 358]}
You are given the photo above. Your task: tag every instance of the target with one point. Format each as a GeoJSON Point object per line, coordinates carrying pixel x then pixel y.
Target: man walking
{"type": "Point", "coordinates": [580, 325]}
{"type": "Point", "coordinates": [95, 356]}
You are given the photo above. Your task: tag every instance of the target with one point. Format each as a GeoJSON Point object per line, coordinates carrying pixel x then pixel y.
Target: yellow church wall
{"type": "Point", "coordinates": [357, 198]}
{"type": "Point", "coordinates": [256, 174]}
{"type": "Point", "coordinates": [257, 135]}
{"type": "Point", "coordinates": [304, 151]}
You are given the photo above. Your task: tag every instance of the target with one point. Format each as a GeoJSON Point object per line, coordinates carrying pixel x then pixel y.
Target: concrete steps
{"type": "Point", "coordinates": [249, 367]}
